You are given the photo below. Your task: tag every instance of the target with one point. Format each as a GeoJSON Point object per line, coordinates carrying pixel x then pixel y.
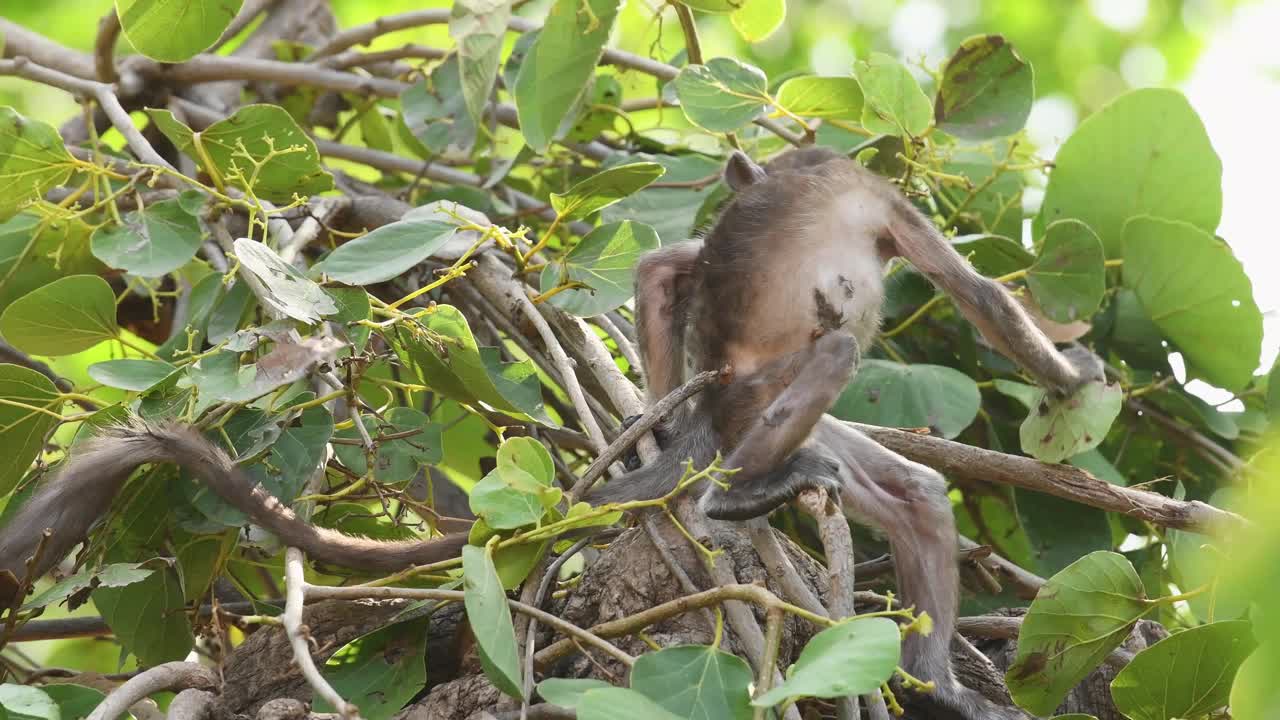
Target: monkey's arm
{"type": "Point", "coordinates": [70, 503]}
{"type": "Point", "coordinates": [662, 290]}
{"type": "Point", "coordinates": [986, 304]}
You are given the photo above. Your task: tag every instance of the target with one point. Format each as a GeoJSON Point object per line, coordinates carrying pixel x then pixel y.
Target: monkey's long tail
{"type": "Point", "coordinates": [70, 503]}
{"type": "Point", "coordinates": [692, 437]}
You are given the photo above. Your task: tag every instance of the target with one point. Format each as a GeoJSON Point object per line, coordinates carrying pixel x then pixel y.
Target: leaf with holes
{"type": "Point", "coordinates": [722, 95]}
{"type": "Point", "coordinates": [490, 619]}
{"type": "Point", "coordinates": [1057, 429]}
{"type": "Point", "coordinates": [835, 98]}
{"type": "Point", "coordinates": [695, 681]}
{"type": "Point", "coordinates": [604, 263]}
{"type": "Point", "coordinates": [1069, 278]}
{"type": "Point", "coordinates": [1078, 617]}
{"type": "Point", "coordinates": [150, 243]}
{"type": "Point", "coordinates": [893, 102]}
{"type": "Point", "coordinates": [62, 318]}
{"type": "Point", "coordinates": [852, 658]}
{"type": "Point", "coordinates": [986, 90]}
{"type": "Point", "coordinates": [114, 575]}
{"type": "Point", "coordinates": [33, 160]}
{"type": "Point", "coordinates": [604, 189]}
{"type": "Point", "coordinates": [896, 395]}
{"type": "Point", "coordinates": [289, 292]}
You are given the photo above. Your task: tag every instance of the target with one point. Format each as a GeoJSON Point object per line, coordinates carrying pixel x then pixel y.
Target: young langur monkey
{"type": "Point", "coordinates": [68, 504]}
{"type": "Point", "coordinates": [784, 293]}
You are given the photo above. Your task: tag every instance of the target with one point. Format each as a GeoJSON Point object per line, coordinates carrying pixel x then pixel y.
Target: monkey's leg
{"type": "Point", "coordinates": [772, 467]}
{"type": "Point", "coordinates": [908, 501]}
{"type": "Point", "coordinates": [662, 289]}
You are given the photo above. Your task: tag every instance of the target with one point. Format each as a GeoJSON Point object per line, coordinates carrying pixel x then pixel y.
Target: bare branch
{"type": "Point", "coordinates": [299, 637]}
{"type": "Point", "coordinates": [191, 704]}
{"type": "Point", "coordinates": [171, 676]}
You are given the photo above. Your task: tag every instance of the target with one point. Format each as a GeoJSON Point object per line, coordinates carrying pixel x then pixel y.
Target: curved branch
{"type": "Point", "coordinates": [299, 636]}
{"type": "Point", "coordinates": [170, 676]}
{"type": "Point", "coordinates": [191, 704]}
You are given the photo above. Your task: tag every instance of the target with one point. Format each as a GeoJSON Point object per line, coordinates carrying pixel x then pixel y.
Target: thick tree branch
{"type": "Point", "coordinates": [173, 676]}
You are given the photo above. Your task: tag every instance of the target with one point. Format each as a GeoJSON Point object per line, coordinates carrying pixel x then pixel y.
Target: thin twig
{"type": "Point", "coordinates": [299, 636]}
{"type": "Point", "coordinates": [772, 640]}
{"type": "Point", "coordinates": [544, 585]}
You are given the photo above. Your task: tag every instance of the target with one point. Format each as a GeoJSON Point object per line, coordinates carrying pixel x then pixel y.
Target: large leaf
{"type": "Point", "coordinates": [520, 489]}
{"type": "Point", "coordinates": [36, 250]}
{"type": "Point", "coordinates": [1076, 620]}
{"type": "Point", "coordinates": [896, 395]}
{"type": "Point", "coordinates": [836, 98]}
{"type": "Point", "coordinates": [1198, 294]}
{"type": "Point", "coordinates": [1146, 153]}
{"type": "Point", "coordinates": [568, 692]}
{"type": "Point", "coordinates": [756, 20]}
{"type": "Point", "coordinates": [114, 575]}
{"type": "Point", "coordinates": [75, 702]}
{"type": "Point", "coordinates": [147, 617]}
{"type": "Point", "coordinates": [616, 703]}
{"type": "Point", "coordinates": [288, 160]}
{"type": "Point", "coordinates": [993, 254]}
{"type": "Point", "coordinates": [62, 318]}
{"type": "Point", "coordinates": [671, 211]}
{"type": "Point", "coordinates": [22, 702]}
{"type": "Point", "coordinates": [23, 430]}
{"type": "Point", "coordinates": [557, 69]}
{"type": "Point", "coordinates": [1185, 675]}
{"type": "Point", "coordinates": [986, 90]}
{"type": "Point", "coordinates": [33, 160]}
{"type": "Point", "coordinates": [380, 671]}
{"type": "Point", "coordinates": [852, 658]}
{"type": "Point", "coordinates": [175, 31]}
{"type": "Point", "coordinates": [387, 252]}
{"type": "Point", "coordinates": [695, 681]}
{"type": "Point", "coordinates": [604, 189]}
{"type": "Point", "coordinates": [1068, 278]}
{"type": "Point", "coordinates": [478, 28]}
{"type": "Point", "coordinates": [150, 243]}
{"type": "Point", "coordinates": [490, 620]}
{"type": "Point", "coordinates": [1058, 428]}
{"type": "Point", "coordinates": [288, 291]}
{"type": "Point", "coordinates": [722, 95]}
{"type": "Point", "coordinates": [605, 263]}
{"type": "Point", "coordinates": [894, 104]}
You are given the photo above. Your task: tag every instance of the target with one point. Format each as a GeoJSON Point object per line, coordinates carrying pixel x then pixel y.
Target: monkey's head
{"type": "Point", "coordinates": [741, 171]}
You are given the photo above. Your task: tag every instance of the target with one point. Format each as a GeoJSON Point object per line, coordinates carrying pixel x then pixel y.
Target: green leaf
{"type": "Point", "coordinates": [148, 617]}
{"type": "Point", "coordinates": [1185, 675]}
{"type": "Point", "coordinates": [62, 318]}
{"type": "Point", "coordinates": [490, 619]}
{"type": "Point", "coordinates": [722, 95]}
{"type": "Point", "coordinates": [74, 701]}
{"type": "Point", "coordinates": [604, 189]}
{"type": "Point", "coordinates": [36, 250]}
{"type": "Point", "coordinates": [1060, 531]}
{"type": "Point", "coordinates": [114, 575]}
{"type": "Point", "coordinates": [1057, 429]}
{"type": "Point", "coordinates": [986, 90]}
{"type": "Point", "coordinates": [605, 262]}
{"type": "Point", "coordinates": [23, 702]}
{"type": "Point", "coordinates": [756, 20]}
{"type": "Point", "coordinates": [175, 31]}
{"type": "Point", "coordinates": [478, 28]}
{"type": "Point", "coordinates": [1198, 294]}
{"type": "Point", "coordinates": [614, 703]}
{"type": "Point", "coordinates": [151, 243]}
{"type": "Point", "coordinates": [557, 69]}
{"type": "Point", "coordinates": [131, 373]}
{"type": "Point", "coordinates": [520, 489]}
{"type": "Point", "coordinates": [353, 305]}
{"type": "Point", "coordinates": [1273, 392]}
{"type": "Point", "coordinates": [435, 111]}
{"type": "Point", "coordinates": [23, 430]}
{"type": "Point", "coordinates": [1069, 277]}
{"type": "Point", "coordinates": [671, 212]}
{"type": "Point", "coordinates": [695, 681]}
{"type": "Point", "coordinates": [1145, 153]}
{"type": "Point", "coordinates": [896, 395]}
{"type": "Point", "coordinates": [1078, 617]}
{"type": "Point", "coordinates": [380, 671]}
{"type": "Point", "coordinates": [375, 130]}
{"type": "Point", "coordinates": [993, 255]}
{"type": "Point", "coordinates": [396, 461]}
{"type": "Point", "coordinates": [293, 168]}
{"type": "Point", "coordinates": [852, 658]}
{"type": "Point", "coordinates": [387, 252]}
{"type": "Point", "coordinates": [894, 104]}
{"type": "Point", "coordinates": [289, 292]}
{"type": "Point", "coordinates": [33, 160]}
{"type": "Point", "coordinates": [836, 98]}
{"type": "Point", "coordinates": [1182, 404]}
{"type": "Point", "coordinates": [714, 6]}
{"type": "Point", "coordinates": [568, 692]}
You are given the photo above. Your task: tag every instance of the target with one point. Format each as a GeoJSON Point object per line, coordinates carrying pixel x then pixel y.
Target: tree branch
{"type": "Point", "coordinates": [169, 676]}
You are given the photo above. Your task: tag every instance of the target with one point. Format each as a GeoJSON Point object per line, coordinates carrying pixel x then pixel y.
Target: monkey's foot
{"type": "Point", "coordinates": [749, 497]}
{"type": "Point", "coordinates": [630, 459]}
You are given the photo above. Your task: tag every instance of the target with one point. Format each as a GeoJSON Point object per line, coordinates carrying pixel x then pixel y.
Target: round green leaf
{"type": "Point", "coordinates": [895, 395]}
{"type": "Point", "coordinates": [289, 292]}
{"type": "Point", "coordinates": [616, 703]}
{"type": "Point", "coordinates": [605, 262]}
{"type": "Point", "coordinates": [1057, 429]}
{"type": "Point", "coordinates": [1185, 675]}
{"type": "Point", "coordinates": [986, 90]}
{"type": "Point", "coordinates": [1145, 153]}
{"type": "Point", "coordinates": [151, 243]}
{"type": "Point", "coordinates": [722, 95]}
{"type": "Point", "coordinates": [62, 318]}
{"type": "Point", "coordinates": [33, 160]}
{"type": "Point", "coordinates": [22, 702]}
{"type": "Point", "coordinates": [556, 70]}
{"type": "Point", "coordinates": [131, 373]}
{"type": "Point", "coordinates": [604, 189]}
{"type": "Point", "coordinates": [490, 619]}
{"type": "Point", "coordinates": [852, 658]}
{"type": "Point", "coordinates": [894, 104]}
{"type": "Point", "coordinates": [175, 31]}
{"type": "Point", "coordinates": [1198, 294]}
{"type": "Point", "coordinates": [1069, 278]}
{"type": "Point", "coordinates": [756, 20]}
{"type": "Point", "coordinates": [695, 681]}
{"type": "Point", "coordinates": [1076, 620]}
{"type": "Point", "coordinates": [568, 692]}
{"type": "Point", "coordinates": [387, 252]}
{"type": "Point", "coordinates": [22, 430]}
{"type": "Point", "coordinates": [838, 98]}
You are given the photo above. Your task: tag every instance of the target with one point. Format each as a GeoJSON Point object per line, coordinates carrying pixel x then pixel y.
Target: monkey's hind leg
{"type": "Point", "coordinates": [773, 468]}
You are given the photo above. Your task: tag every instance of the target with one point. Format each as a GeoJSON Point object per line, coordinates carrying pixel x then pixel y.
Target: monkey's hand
{"type": "Point", "coordinates": [752, 496]}
{"type": "Point", "coordinates": [631, 459]}
{"type": "Point", "coordinates": [1089, 366]}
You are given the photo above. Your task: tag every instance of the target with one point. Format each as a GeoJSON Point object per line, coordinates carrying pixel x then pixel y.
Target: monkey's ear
{"type": "Point", "coordinates": [741, 171]}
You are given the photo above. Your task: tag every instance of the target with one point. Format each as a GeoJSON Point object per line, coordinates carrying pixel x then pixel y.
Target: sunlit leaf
{"type": "Point", "coordinates": [288, 291]}
{"type": "Point", "coordinates": [156, 241]}
{"type": "Point", "coordinates": [604, 261]}
{"type": "Point", "coordinates": [1187, 674]}
{"type": "Point", "coordinates": [1068, 278]}
{"type": "Point", "coordinates": [604, 189]}
{"type": "Point", "coordinates": [756, 20]}
{"type": "Point", "coordinates": [490, 620]}
{"type": "Point", "coordinates": [986, 90]}
{"type": "Point", "coordinates": [852, 658]}
{"type": "Point", "coordinates": [23, 702]}
{"type": "Point", "coordinates": [131, 373]}
{"type": "Point", "coordinates": [33, 160]}
{"type": "Point", "coordinates": [64, 317]}
{"type": "Point", "coordinates": [837, 98]}
{"type": "Point", "coordinates": [23, 425]}
{"type": "Point", "coordinates": [1058, 428]}
{"type": "Point", "coordinates": [893, 101]}
{"type": "Point", "coordinates": [722, 95]}
{"type": "Point", "coordinates": [478, 28]}
{"type": "Point", "coordinates": [175, 30]}
{"type": "Point", "coordinates": [387, 252]}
